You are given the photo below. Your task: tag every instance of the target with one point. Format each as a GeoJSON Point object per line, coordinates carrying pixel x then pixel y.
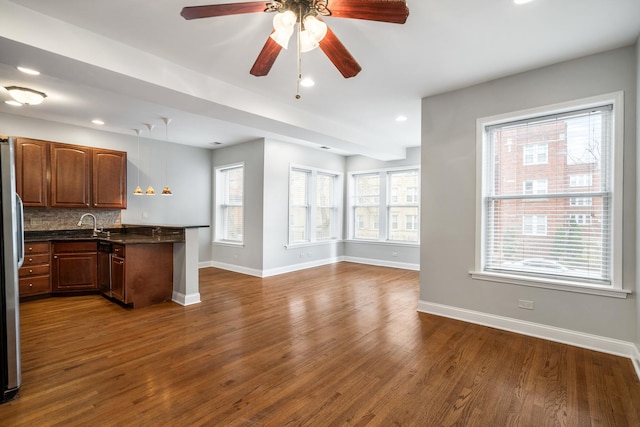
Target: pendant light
{"type": "Point", "coordinates": [138, 190]}
{"type": "Point", "coordinates": [166, 191]}
{"type": "Point", "coordinates": [150, 191]}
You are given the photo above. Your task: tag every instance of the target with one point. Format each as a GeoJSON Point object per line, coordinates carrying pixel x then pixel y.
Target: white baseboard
{"type": "Point", "coordinates": [565, 336]}
{"type": "Point", "coordinates": [185, 300]}
{"type": "Point", "coordinates": [236, 268]}
{"type": "Point", "coordinates": [383, 263]}
{"type": "Point", "coordinates": [298, 267]}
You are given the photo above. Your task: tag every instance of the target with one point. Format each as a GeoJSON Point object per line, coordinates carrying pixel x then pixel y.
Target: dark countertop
{"type": "Point", "coordinates": [128, 235]}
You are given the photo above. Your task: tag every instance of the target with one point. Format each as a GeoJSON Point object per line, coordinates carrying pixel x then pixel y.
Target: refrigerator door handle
{"type": "Point", "coordinates": [20, 230]}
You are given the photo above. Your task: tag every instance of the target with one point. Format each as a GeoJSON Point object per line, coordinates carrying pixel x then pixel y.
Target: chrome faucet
{"type": "Point", "coordinates": [95, 223]}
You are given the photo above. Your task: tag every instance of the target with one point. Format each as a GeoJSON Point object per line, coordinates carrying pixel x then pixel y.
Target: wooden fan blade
{"type": "Point", "coordinates": [266, 58]}
{"type": "Point", "coordinates": [339, 55]}
{"type": "Point", "coordinates": [195, 12]}
{"type": "Point", "coordinates": [394, 11]}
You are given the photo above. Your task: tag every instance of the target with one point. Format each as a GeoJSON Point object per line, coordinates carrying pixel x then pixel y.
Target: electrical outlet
{"type": "Point", "coordinates": [527, 305]}
{"type": "Point", "coordinates": [309, 254]}
{"type": "Point", "coordinates": [301, 254]}
{"type": "Point", "coordinates": [394, 254]}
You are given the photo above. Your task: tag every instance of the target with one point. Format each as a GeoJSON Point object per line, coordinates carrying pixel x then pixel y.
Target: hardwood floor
{"type": "Point", "coordinates": [330, 346]}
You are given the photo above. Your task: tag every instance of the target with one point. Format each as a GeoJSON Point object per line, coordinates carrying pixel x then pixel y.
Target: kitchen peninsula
{"type": "Point", "coordinates": [137, 265]}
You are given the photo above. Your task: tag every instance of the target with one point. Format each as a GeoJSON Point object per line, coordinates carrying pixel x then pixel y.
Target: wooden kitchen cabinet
{"type": "Point", "coordinates": [34, 275]}
{"type": "Point", "coordinates": [70, 176]}
{"type": "Point", "coordinates": [61, 175]}
{"type": "Point", "coordinates": [142, 274]}
{"type": "Point", "coordinates": [74, 267]}
{"type": "Point", "coordinates": [32, 159]}
{"type": "Point", "coordinates": [109, 179]}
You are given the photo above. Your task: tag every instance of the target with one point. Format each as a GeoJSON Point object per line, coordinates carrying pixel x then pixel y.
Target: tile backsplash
{"type": "Point", "coordinates": [36, 219]}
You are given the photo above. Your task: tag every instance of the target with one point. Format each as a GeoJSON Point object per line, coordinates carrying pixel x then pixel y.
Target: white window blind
{"type": "Point", "coordinates": [367, 206]}
{"type": "Point", "coordinates": [299, 206]}
{"type": "Point", "coordinates": [549, 213]}
{"type": "Point", "coordinates": [229, 200]}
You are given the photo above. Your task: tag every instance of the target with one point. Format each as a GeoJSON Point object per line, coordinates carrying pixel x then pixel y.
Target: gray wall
{"type": "Point", "coordinates": [246, 258]}
{"type": "Point", "coordinates": [188, 172]}
{"type": "Point", "coordinates": [638, 199]}
{"type": "Point", "coordinates": [448, 195]}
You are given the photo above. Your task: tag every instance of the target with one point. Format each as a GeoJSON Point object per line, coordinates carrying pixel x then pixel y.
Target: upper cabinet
{"type": "Point", "coordinates": [31, 171]}
{"type": "Point", "coordinates": [70, 176]}
{"type": "Point", "coordinates": [109, 179]}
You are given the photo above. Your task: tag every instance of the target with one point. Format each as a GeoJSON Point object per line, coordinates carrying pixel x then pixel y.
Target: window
{"type": "Point", "coordinates": [299, 206]}
{"type": "Point", "coordinates": [229, 203]}
{"type": "Point", "coordinates": [582, 180]}
{"type": "Point", "coordinates": [571, 235]}
{"type": "Point", "coordinates": [367, 206]}
{"type": "Point", "coordinates": [535, 186]}
{"type": "Point", "coordinates": [404, 183]}
{"type": "Point", "coordinates": [580, 201]}
{"type": "Point", "coordinates": [580, 219]}
{"type": "Point", "coordinates": [385, 205]}
{"type": "Point", "coordinates": [313, 211]}
{"type": "Point", "coordinates": [534, 225]}
{"type": "Point", "coordinates": [535, 154]}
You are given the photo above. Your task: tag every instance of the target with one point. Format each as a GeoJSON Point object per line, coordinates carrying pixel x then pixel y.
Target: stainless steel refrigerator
{"type": "Point", "coordinates": [12, 255]}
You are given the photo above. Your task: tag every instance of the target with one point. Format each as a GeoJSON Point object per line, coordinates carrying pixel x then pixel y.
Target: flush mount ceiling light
{"type": "Point", "coordinates": [26, 96]}
{"type": "Point", "coordinates": [522, 1]}
{"type": "Point", "coordinates": [97, 122]}
{"type": "Point", "coordinates": [29, 71]}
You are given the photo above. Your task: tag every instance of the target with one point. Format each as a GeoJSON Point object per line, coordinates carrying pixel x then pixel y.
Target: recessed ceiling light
{"type": "Point", "coordinates": [29, 71]}
{"type": "Point", "coordinates": [14, 103]}
{"type": "Point", "coordinates": [401, 118]}
{"type": "Point", "coordinates": [522, 1]}
{"type": "Point", "coordinates": [97, 122]}
{"type": "Point", "coordinates": [307, 82]}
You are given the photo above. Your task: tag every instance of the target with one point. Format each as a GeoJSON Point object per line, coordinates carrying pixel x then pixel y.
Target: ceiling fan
{"type": "Point", "coordinates": [312, 31]}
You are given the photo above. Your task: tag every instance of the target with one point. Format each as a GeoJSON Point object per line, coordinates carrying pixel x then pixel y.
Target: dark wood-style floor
{"type": "Point", "coordinates": [330, 346]}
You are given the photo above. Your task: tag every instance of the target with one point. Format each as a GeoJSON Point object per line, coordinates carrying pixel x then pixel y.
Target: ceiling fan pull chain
{"type": "Point", "coordinates": [298, 96]}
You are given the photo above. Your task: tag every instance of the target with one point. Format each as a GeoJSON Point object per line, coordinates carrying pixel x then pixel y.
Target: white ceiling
{"type": "Point", "coordinates": [133, 62]}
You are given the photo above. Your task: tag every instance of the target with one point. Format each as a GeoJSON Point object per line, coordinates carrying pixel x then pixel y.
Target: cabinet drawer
{"type": "Point", "coordinates": [118, 250]}
{"type": "Point", "coordinates": [35, 286]}
{"type": "Point", "coordinates": [70, 247]}
{"type": "Point", "coordinates": [36, 248]}
{"type": "Point", "coordinates": [34, 270]}
{"type": "Point", "coordinates": [38, 259]}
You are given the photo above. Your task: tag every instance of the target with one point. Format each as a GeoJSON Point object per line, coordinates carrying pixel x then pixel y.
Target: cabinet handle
{"type": "Point", "coordinates": [31, 285]}
{"type": "Point", "coordinates": [30, 249]}
{"type": "Point", "coordinates": [30, 271]}
{"type": "Point", "coordinates": [55, 257]}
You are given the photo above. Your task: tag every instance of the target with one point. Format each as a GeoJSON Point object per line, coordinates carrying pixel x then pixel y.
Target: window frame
{"type": "Point", "coordinates": [221, 195]}
{"type": "Point", "coordinates": [616, 287]}
{"type": "Point", "coordinates": [312, 206]}
{"type": "Point", "coordinates": [387, 200]}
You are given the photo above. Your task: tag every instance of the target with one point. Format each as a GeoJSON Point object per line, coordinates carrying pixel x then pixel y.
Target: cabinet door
{"type": "Point", "coordinates": [118, 278]}
{"type": "Point", "coordinates": [31, 171]}
{"type": "Point", "coordinates": [109, 179]}
{"type": "Point", "coordinates": [74, 272]}
{"type": "Point", "coordinates": [70, 176]}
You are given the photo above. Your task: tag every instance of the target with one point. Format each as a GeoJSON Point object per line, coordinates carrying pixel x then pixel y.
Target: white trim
{"type": "Point", "coordinates": [323, 242]}
{"type": "Point", "coordinates": [550, 283]}
{"type": "Point", "coordinates": [185, 300]}
{"type": "Point", "coordinates": [636, 360]}
{"type": "Point", "coordinates": [383, 263]}
{"type": "Point", "coordinates": [614, 98]}
{"type": "Point", "coordinates": [236, 268]}
{"type": "Point", "coordinates": [551, 333]}
{"type": "Point", "coordinates": [297, 267]}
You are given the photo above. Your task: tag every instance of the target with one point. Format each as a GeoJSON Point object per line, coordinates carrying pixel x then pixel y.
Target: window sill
{"type": "Point", "coordinates": [314, 243]}
{"type": "Point", "coordinates": [228, 243]}
{"type": "Point", "coordinates": [556, 284]}
{"type": "Point", "coordinates": [383, 242]}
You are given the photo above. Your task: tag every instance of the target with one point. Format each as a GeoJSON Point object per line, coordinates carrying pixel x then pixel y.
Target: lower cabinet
{"type": "Point", "coordinates": [74, 267]}
{"type": "Point", "coordinates": [142, 274]}
{"type": "Point", "coordinates": [34, 275]}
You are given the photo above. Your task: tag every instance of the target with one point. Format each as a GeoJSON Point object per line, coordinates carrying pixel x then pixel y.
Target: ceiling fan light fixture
{"type": "Point", "coordinates": [283, 24]}
{"type": "Point", "coordinates": [316, 27]}
{"type": "Point", "coordinates": [25, 95]}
